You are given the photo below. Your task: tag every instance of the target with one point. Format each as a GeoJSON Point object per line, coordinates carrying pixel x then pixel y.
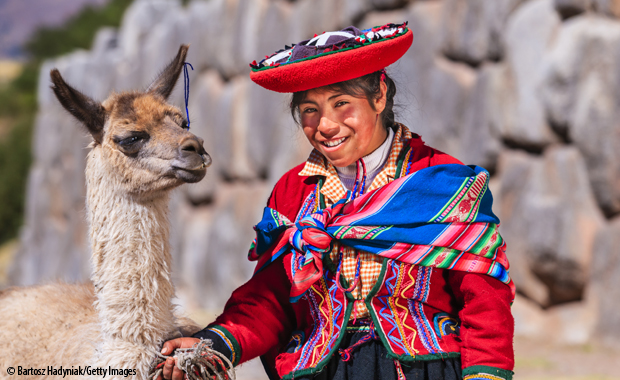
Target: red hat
{"type": "Point", "coordinates": [332, 57]}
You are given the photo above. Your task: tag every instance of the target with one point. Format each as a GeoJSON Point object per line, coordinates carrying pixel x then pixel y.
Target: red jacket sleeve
{"type": "Point", "coordinates": [487, 325]}
{"type": "Point", "coordinates": [258, 316]}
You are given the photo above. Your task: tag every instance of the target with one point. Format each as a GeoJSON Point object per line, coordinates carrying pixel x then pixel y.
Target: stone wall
{"type": "Point", "coordinates": [526, 88]}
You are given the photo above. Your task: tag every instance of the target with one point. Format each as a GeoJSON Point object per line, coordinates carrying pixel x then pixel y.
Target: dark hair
{"type": "Point", "coordinates": [368, 86]}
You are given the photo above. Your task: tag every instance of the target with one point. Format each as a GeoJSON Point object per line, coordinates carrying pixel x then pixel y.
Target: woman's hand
{"type": "Point", "coordinates": [171, 372]}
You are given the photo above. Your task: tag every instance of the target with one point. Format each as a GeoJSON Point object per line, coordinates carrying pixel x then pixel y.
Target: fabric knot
{"type": "Point", "coordinates": [311, 234]}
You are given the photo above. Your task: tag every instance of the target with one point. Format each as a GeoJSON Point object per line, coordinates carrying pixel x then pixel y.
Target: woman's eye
{"type": "Point", "coordinates": [184, 125]}
{"type": "Point", "coordinates": [341, 103]}
{"type": "Point", "coordinates": [309, 110]}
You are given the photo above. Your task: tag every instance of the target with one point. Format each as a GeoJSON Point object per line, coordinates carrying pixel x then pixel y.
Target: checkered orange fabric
{"type": "Point", "coordinates": [334, 190]}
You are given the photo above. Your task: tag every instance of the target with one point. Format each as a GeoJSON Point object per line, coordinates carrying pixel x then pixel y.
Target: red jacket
{"type": "Point", "coordinates": [420, 313]}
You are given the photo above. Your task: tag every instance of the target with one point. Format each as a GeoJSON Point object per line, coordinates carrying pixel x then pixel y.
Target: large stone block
{"type": "Point", "coordinates": [569, 8]}
{"type": "Point", "coordinates": [214, 243]}
{"type": "Point", "coordinates": [235, 101]}
{"type": "Point", "coordinates": [605, 282]}
{"type": "Point", "coordinates": [223, 30]}
{"type": "Point", "coordinates": [350, 10]}
{"type": "Point", "coordinates": [204, 21]}
{"type": "Point", "coordinates": [445, 103]}
{"type": "Point", "coordinates": [376, 18]}
{"type": "Point", "coordinates": [228, 33]}
{"type": "Point", "coordinates": [313, 17]}
{"type": "Point", "coordinates": [433, 94]}
{"type": "Point", "coordinates": [82, 70]}
{"type": "Point", "coordinates": [479, 143]}
{"type": "Point", "coordinates": [269, 118]}
{"type": "Point", "coordinates": [568, 324]}
{"type": "Point", "coordinates": [105, 40]}
{"type": "Point", "coordinates": [204, 117]}
{"type": "Point", "coordinates": [291, 149]}
{"type": "Point", "coordinates": [529, 33]}
{"type": "Point", "coordinates": [162, 44]}
{"type": "Point", "coordinates": [274, 28]}
{"type": "Point", "coordinates": [139, 20]}
{"type": "Point", "coordinates": [608, 7]}
{"type": "Point", "coordinates": [580, 94]}
{"type": "Point", "coordinates": [54, 239]}
{"type": "Point", "coordinates": [510, 185]}
{"type": "Point", "coordinates": [388, 4]}
{"type": "Point", "coordinates": [249, 23]}
{"type": "Point", "coordinates": [219, 112]}
{"type": "Point", "coordinates": [472, 29]}
{"type": "Point", "coordinates": [549, 220]}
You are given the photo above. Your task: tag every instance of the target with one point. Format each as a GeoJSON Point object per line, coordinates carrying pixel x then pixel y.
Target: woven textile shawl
{"type": "Point", "coordinates": [436, 217]}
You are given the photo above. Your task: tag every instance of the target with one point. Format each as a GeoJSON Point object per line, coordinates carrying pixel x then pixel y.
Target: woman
{"type": "Point", "coordinates": [364, 270]}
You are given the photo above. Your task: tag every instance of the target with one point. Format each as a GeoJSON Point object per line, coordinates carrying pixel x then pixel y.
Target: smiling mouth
{"type": "Point", "coordinates": [333, 143]}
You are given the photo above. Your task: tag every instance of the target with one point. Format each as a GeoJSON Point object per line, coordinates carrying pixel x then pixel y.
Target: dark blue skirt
{"type": "Point", "coordinates": [369, 361]}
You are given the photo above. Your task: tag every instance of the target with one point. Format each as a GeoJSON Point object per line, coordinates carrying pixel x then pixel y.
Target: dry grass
{"type": "Point", "coordinates": [9, 70]}
{"type": "Point", "coordinates": [7, 251]}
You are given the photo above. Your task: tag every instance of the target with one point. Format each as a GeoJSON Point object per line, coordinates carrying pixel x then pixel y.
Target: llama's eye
{"type": "Point", "coordinates": [129, 141]}
{"type": "Point", "coordinates": [132, 143]}
{"type": "Point", "coordinates": [184, 125]}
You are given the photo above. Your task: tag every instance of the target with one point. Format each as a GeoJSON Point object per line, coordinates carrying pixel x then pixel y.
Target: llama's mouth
{"type": "Point", "coordinates": [193, 168]}
{"type": "Point", "coordinates": [190, 175]}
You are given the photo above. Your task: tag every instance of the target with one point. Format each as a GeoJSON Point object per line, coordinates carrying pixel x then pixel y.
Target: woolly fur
{"type": "Point", "coordinates": [119, 321]}
{"type": "Point", "coordinates": [122, 319]}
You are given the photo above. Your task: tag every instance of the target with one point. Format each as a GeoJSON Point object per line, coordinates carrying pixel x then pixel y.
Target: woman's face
{"type": "Point", "coordinates": [342, 127]}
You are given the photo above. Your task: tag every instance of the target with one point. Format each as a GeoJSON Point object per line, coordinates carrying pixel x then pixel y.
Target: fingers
{"type": "Point", "coordinates": [177, 374]}
{"type": "Point", "coordinates": [168, 368]}
{"type": "Point", "coordinates": [170, 346]}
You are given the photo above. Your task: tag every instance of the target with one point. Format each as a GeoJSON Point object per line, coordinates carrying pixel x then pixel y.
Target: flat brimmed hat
{"type": "Point", "coordinates": [332, 57]}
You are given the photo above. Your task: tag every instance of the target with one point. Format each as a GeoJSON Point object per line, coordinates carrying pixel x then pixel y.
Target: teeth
{"type": "Point", "coordinates": [334, 143]}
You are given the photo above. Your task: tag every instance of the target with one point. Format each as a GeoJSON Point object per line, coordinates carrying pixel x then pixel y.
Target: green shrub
{"type": "Point", "coordinates": [77, 32]}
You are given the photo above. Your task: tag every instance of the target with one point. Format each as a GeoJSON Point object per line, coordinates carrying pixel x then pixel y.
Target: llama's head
{"type": "Point", "coordinates": [142, 141]}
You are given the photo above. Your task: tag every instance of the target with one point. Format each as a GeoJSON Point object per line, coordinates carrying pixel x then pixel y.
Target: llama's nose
{"type": "Point", "coordinates": [193, 145]}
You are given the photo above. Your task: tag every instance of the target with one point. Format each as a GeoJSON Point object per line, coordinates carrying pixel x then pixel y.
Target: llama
{"type": "Point", "coordinates": [141, 150]}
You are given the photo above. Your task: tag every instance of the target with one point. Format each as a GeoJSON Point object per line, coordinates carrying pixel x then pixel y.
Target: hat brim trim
{"type": "Point", "coordinates": [333, 67]}
{"type": "Point", "coordinates": [365, 44]}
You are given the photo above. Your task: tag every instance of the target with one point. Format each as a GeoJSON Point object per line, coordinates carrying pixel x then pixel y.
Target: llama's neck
{"type": "Point", "coordinates": [131, 270]}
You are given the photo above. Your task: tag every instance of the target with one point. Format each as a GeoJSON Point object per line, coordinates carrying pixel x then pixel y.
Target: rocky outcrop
{"type": "Point", "coordinates": [529, 33]}
{"type": "Point", "coordinates": [525, 88]}
{"type": "Point", "coordinates": [473, 30]}
{"type": "Point", "coordinates": [605, 283]}
{"type": "Point", "coordinates": [548, 199]}
{"type": "Point", "coordinates": [580, 93]}
{"type": "Point", "coordinates": [569, 8]}
{"type": "Point", "coordinates": [609, 7]}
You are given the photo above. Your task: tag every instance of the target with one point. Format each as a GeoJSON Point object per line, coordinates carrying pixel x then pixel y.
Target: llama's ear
{"type": "Point", "coordinates": [164, 84]}
{"type": "Point", "coordinates": [90, 112]}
